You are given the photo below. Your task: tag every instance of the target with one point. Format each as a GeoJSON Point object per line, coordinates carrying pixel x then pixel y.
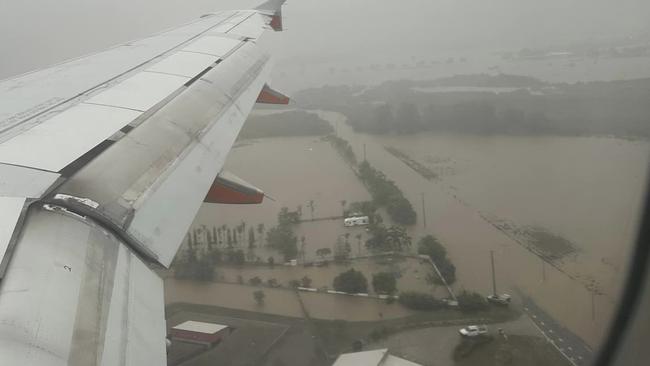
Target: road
{"type": "Point", "coordinates": [570, 345]}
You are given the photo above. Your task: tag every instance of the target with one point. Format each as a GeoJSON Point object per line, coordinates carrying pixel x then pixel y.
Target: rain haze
{"type": "Point", "coordinates": [324, 34]}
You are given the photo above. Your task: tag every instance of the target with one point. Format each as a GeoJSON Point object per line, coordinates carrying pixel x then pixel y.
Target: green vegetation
{"type": "Point", "coordinates": [259, 296]}
{"type": "Point", "coordinates": [385, 192]}
{"type": "Point", "coordinates": [380, 333]}
{"type": "Point", "coordinates": [366, 208]}
{"type": "Point", "coordinates": [430, 246]}
{"type": "Point", "coordinates": [195, 269]}
{"type": "Point", "coordinates": [467, 346]}
{"type": "Point", "coordinates": [515, 350]}
{"type": "Point", "coordinates": [420, 301]}
{"type": "Point", "coordinates": [342, 248]}
{"type": "Point", "coordinates": [291, 123]}
{"type": "Point", "coordinates": [471, 302]}
{"type": "Point", "coordinates": [392, 239]}
{"type": "Point", "coordinates": [281, 237]}
{"type": "Point", "coordinates": [343, 148]}
{"type": "Point", "coordinates": [384, 283]}
{"type": "Point", "coordinates": [323, 252]}
{"type": "Point", "coordinates": [610, 108]}
{"type": "Point", "coordinates": [351, 281]}
{"type": "Point", "coordinates": [305, 281]}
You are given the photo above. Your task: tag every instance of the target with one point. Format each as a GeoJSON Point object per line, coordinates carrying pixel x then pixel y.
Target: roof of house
{"type": "Point", "coordinates": [379, 357]}
{"type": "Point", "coordinates": [396, 361]}
{"type": "Point", "coordinates": [366, 358]}
{"type": "Point", "coordinates": [200, 327]}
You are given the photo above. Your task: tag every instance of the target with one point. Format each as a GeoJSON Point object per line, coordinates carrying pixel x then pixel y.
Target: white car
{"type": "Point", "coordinates": [503, 299]}
{"type": "Point", "coordinates": [473, 331]}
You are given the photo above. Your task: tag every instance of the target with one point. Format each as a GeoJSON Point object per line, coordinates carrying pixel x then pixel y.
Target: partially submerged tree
{"type": "Point", "coordinates": [305, 281]}
{"type": "Point", "coordinates": [471, 301]}
{"type": "Point", "coordinates": [384, 283]}
{"type": "Point", "coordinates": [323, 252]}
{"type": "Point", "coordinates": [259, 296]}
{"type": "Point", "coordinates": [431, 247]}
{"type": "Point", "coordinates": [351, 281]}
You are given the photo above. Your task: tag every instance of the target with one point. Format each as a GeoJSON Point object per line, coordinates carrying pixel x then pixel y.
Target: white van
{"type": "Point", "coordinates": [356, 221]}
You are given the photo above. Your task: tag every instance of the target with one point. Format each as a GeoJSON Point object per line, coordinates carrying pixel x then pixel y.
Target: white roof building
{"type": "Point", "coordinates": [200, 327]}
{"type": "Point", "coordinates": [379, 357]}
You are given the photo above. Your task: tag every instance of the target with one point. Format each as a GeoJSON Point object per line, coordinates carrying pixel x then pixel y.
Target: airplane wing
{"type": "Point", "coordinates": [104, 162]}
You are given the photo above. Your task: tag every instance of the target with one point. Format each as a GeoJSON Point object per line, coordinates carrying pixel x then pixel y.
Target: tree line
{"type": "Point", "coordinates": [613, 108]}
{"type": "Point", "coordinates": [385, 192]}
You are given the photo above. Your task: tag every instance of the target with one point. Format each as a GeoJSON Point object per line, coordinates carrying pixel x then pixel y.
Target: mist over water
{"type": "Point", "coordinates": [339, 41]}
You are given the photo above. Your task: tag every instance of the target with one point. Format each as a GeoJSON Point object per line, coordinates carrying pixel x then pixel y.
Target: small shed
{"type": "Point", "coordinates": [199, 332]}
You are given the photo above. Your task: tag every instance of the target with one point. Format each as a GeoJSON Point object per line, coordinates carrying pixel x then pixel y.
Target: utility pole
{"type": "Point", "coordinates": [424, 214]}
{"type": "Point", "coordinates": [494, 281]}
{"type": "Point", "coordinates": [593, 305]}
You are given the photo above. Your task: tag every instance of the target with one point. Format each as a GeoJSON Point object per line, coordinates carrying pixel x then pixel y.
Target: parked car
{"type": "Point", "coordinates": [503, 299]}
{"type": "Point", "coordinates": [473, 331]}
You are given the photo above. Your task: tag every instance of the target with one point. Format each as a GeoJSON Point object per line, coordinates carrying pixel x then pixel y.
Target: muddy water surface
{"type": "Point", "coordinates": [585, 189]}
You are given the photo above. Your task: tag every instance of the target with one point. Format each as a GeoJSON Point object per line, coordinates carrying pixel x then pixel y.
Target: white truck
{"type": "Point", "coordinates": [356, 221]}
{"type": "Point", "coordinates": [473, 331]}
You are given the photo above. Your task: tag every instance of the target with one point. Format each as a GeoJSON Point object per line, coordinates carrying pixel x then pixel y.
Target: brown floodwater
{"type": "Point", "coordinates": [282, 301]}
{"type": "Point", "coordinates": [411, 273]}
{"type": "Point", "coordinates": [585, 189]}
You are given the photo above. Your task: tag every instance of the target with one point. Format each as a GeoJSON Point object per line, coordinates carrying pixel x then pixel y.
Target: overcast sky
{"type": "Point", "coordinates": [35, 34]}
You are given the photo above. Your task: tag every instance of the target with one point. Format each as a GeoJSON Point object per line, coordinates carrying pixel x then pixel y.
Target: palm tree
{"type": "Point", "coordinates": [311, 207]}
{"type": "Point", "coordinates": [302, 247]}
{"type": "Point", "coordinates": [358, 236]}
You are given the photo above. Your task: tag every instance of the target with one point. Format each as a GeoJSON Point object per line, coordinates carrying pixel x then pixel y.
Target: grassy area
{"type": "Point", "coordinates": [337, 335]}
{"type": "Point", "coordinates": [173, 309]}
{"type": "Point", "coordinates": [259, 339]}
{"type": "Point", "coordinates": [516, 350]}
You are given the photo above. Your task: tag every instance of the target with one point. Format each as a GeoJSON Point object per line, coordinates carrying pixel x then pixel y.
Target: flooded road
{"type": "Point", "coordinates": [282, 301]}
{"type": "Point", "coordinates": [411, 273]}
{"type": "Point", "coordinates": [587, 189]}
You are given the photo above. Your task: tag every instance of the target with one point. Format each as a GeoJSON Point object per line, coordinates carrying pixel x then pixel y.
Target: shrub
{"type": "Point", "coordinates": [419, 301]}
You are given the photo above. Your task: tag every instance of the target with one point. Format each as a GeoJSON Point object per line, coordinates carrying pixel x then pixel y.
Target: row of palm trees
{"type": "Point", "coordinates": [226, 236]}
